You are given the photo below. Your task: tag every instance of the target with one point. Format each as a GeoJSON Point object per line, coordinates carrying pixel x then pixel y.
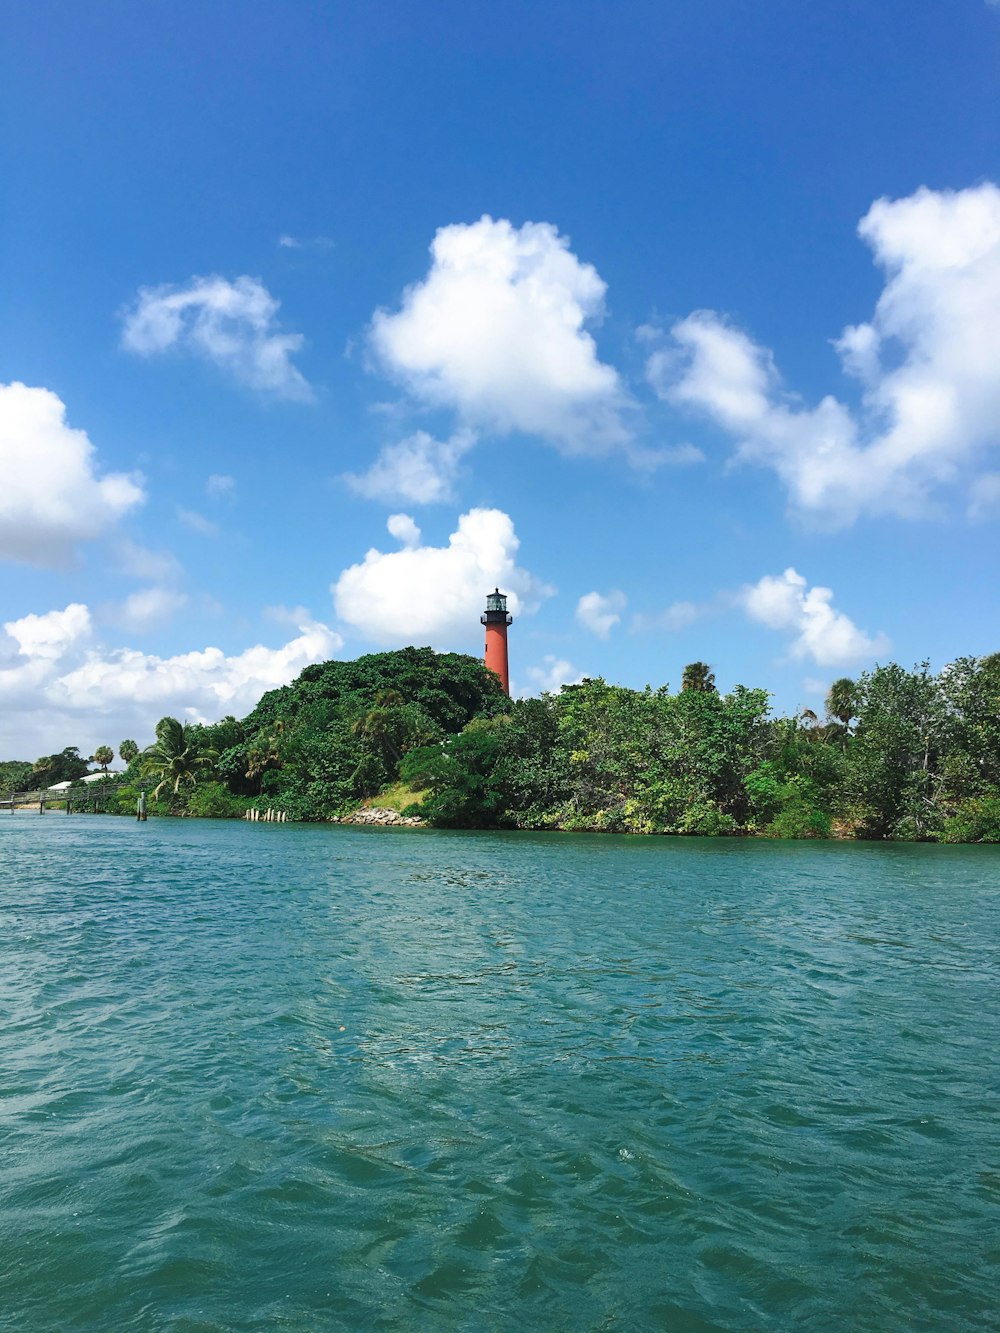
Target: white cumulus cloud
{"type": "Point", "coordinates": [403, 528]}
{"type": "Point", "coordinates": [51, 494]}
{"type": "Point", "coordinates": [31, 651]}
{"type": "Point", "coordinates": [434, 594]}
{"type": "Point", "coordinates": [204, 684]}
{"type": "Point", "coordinates": [826, 636]}
{"type": "Point", "coordinates": [418, 470]}
{"type": "Point", "coordinates": [926, 361]}
{"type": "Point", "coordinates": [550, 676]}
{"type": "Point", "coordinates": [232, 324]}
{"type": "Point", "coordinates": [47, 637]}
{"type": "Point", "coordinates": [497, 331]}
{"type": "Point", "coordinates": [600, 612]}
{"type": "Point", "coordinates": [58, 686]}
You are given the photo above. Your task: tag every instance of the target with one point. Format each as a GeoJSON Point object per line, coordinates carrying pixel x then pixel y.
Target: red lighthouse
{"type": "Point", "coordinates": [496, 619]}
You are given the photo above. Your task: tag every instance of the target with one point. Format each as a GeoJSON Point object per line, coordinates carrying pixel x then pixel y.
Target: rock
{"type": "Point", "coordinates": [380, 816]}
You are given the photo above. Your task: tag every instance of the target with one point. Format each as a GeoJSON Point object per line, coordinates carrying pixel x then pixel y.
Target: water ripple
{"type": "Point", "coordinates": [299, 1078]}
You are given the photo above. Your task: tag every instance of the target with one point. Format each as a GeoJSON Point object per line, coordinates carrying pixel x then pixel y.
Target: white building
{"type": "Point", "coordinates": [89, 777]}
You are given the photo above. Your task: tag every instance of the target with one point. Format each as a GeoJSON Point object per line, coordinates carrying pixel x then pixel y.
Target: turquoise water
{"type": "Point", "coordinates": [299, 1078]}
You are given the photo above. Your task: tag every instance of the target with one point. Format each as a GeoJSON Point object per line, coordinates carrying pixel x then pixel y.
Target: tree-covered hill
{"type": "Point", "coordinates": [448, 688]}
{"type": "Point", "coordinates": [338, 733]}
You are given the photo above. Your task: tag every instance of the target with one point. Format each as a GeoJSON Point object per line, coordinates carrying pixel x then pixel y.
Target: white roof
{"type": "Point", "coordinates": [87, 777]}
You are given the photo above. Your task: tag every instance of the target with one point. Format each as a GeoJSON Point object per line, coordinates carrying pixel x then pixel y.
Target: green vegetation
{"type": "Point", "coordinates": [900, 754]}
{"type": "Point", "coordinates": [15, 775]}
{"type": "Point", "coordinates": [103, 756]}
{"type": "Point", "coordinates": [698, 676]}
{"type": "Point", "coordinates": [65, 766]}
{"type": "Point", "coordinates": [398, 797]}
{"type": "Point", "coordinates": [175, 757]}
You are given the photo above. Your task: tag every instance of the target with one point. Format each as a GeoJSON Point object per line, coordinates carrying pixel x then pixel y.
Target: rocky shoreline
{"type": "Point", "coordinates": [380, 816]}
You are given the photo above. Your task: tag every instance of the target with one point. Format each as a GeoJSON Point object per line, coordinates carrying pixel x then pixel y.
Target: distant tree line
{"type": "Point", "coordinates": [898, 754]}
{"type": "Point", "coordinates": [66, 766]}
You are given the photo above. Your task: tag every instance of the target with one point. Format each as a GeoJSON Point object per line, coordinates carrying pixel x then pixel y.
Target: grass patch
{"type": "Point", "coordinates": [397, 797]}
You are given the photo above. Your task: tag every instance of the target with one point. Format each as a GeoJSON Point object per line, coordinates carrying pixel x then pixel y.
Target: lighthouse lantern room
{"type": "Point", "coordinates": [496, 618]}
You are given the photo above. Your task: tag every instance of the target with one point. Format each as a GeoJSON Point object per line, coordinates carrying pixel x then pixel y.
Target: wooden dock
{"type": "Point", "coordinates": [80, 800]}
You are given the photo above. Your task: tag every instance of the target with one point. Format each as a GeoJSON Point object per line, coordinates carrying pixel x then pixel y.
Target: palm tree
{"type": "Point", "coordinates": [808, 724]}
{"type": "Point", "coordinates": [103, 756]}
{"type": "Point", "coordinates": [173, 757]}
{"type": "Point", "coordinates": [379, 725]}
{"type": "Point", "coordinates": [127, 751]}
{"type": "Point", "coordinates": [266, 754]}
{"type": "Point", "coordinates": [698, 676]}
{"type": "Point", "coordinates": [842, 702]}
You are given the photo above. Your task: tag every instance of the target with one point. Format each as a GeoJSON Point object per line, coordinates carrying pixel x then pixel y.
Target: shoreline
{"type": "Point", "coordinates": [377, 817]}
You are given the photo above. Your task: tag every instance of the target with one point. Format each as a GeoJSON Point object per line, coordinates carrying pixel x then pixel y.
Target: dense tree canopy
{"type": "Point", "coordinates": [65, 766]}
{"type": "Point", "coordinates": [903, 754]}
{"type": "Point", "coordinates": [15, 775]}
{"type": "Point", "coordinates": [339, 733]}
{"type": "Point", "coordinates": [175, 757]}
{"type": "Point", "coordinates": [922, 761]}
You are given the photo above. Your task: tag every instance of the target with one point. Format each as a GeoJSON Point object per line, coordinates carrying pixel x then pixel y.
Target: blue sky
{"type": "Point", "coordinates": [678, 320]}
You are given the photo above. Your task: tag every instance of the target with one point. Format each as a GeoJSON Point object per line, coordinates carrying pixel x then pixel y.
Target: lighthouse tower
{"type": "Point", "coordinates": [496, 619]}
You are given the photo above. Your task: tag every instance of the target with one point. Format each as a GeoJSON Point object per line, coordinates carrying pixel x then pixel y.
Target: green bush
{"type": "Point", "coordinates": [789, 808]}
{"type": "Point", "coordinates": [125, 801]}
{"type": "Point", "coordinates": [799, 819]}
{"type": "Point", "coordinates": [463, 778]}
{"type": "Point", "coordinates": [975, 820]}
{"type": "Point", "coordinates": [705, 818]}
{"type": "Point", "coordinates": [213, 800]}
{"type": "Point", "coordinates": [766, 793]}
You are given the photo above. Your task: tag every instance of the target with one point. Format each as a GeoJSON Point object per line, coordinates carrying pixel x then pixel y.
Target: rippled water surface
{"type": "Point", "coordinates": [298, 1078]}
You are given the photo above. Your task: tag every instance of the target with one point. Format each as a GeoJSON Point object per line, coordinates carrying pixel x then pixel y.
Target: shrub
{"type": "Point", "coordinates": [126, 798]}
{"type": "Point", "coordinates": [792, 808]}
{"type": "Point", "coordinates": [705, 818]}
{"type": "Point", "coordinates": [213, 800]}
{"type": "Point", "coordinates": [975, 820]}
{"type": "Point", "coordinates": [800, 819]}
